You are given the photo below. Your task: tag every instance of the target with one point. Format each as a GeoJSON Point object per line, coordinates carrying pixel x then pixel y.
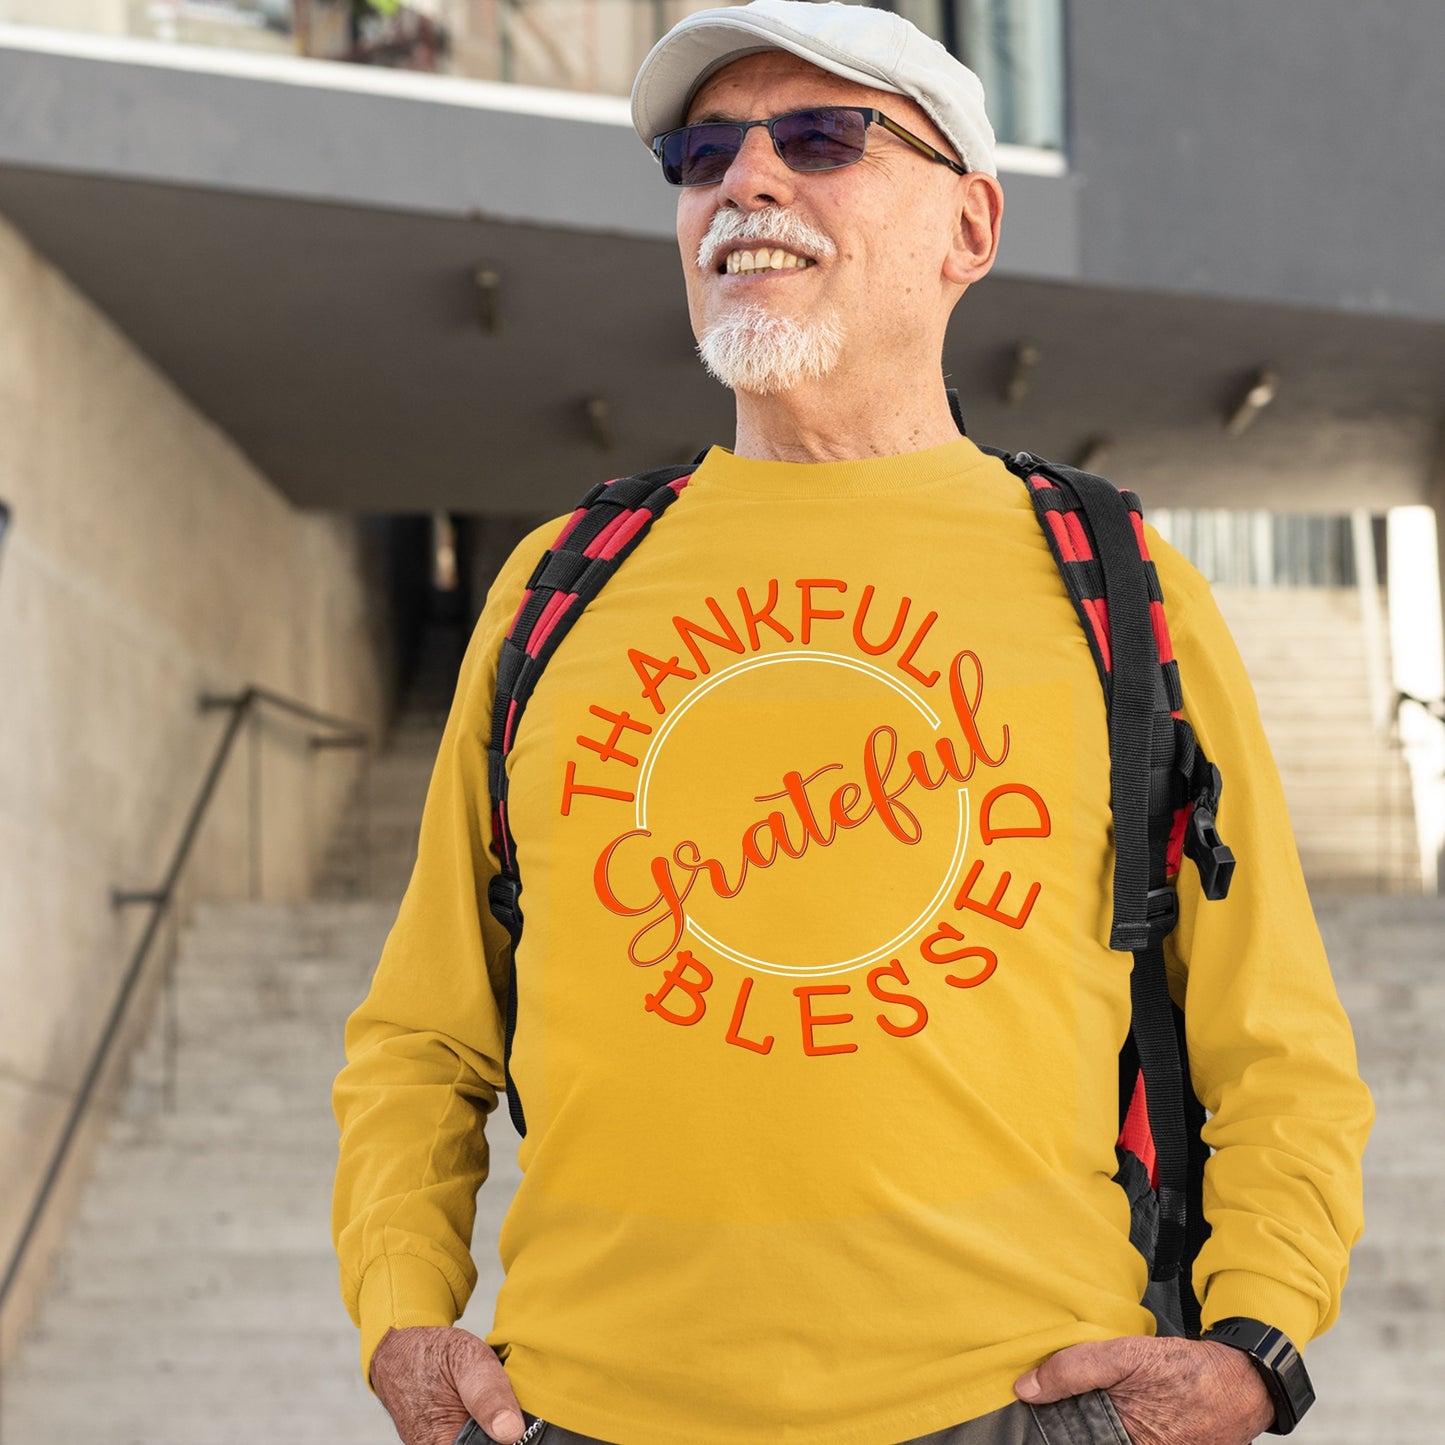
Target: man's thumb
{"type": "Point", "coordinates": [1096, 1365]}
{"type": "Point", "coordinates": [482, 1384]}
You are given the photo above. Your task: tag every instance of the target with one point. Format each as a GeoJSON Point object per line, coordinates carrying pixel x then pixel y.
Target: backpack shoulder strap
{"type": "Point", "coordinates": [1163, 797]}
{"type": "Point", "coordinates": [596, 539]}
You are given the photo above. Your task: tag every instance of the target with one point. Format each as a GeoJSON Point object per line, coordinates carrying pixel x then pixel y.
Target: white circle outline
{"type": "Point", "coordinates": [960, 844]}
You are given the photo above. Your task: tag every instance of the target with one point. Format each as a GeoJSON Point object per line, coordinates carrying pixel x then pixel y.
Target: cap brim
{"type": "Point", "coordinates": [683, 59]}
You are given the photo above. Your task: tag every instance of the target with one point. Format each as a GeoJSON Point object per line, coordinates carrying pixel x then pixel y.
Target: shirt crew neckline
{"type": "Point", "coordinates": [864, 477]}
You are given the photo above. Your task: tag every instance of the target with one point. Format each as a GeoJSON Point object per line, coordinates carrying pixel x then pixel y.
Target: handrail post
{"type": "Point", "coordinates": [1367, 587]}
{"type": "Point", "coordinates": [253, 828]}
{"type": "Point", "coordinates": [171, 1040]}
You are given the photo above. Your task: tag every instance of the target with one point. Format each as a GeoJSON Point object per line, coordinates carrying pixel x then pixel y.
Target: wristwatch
{"type": "Point", "coordinates": [1279, 1365]}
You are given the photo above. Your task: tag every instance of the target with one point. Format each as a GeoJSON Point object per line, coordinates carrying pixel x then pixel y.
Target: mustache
{"type": "Point", "coordinates": [777, 224]}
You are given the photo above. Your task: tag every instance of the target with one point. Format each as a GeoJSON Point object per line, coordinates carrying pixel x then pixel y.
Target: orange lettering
{"type": "Point", "coordinates": [667, 897]}
{"type": "Point", "coordinates": [1039, 828]}
{"type": "Point", "coordinates": [862, 616]}
{"type": "Point", "coordinates": [689, 631]}
{"type": "Point", "coordinates": [875, 775]}
{"type": "Point", "coordinates": [991, 908]}
{"type": "Point", "coordinates": [620, 721]}
{"type": "Point", "coordinates": [929, 949]}
{"type": "Point", "coordinates": [811, 1020]}
{"type": "Point", "coordinates": [795, 787]}
{"type": "Point", "coordinates": [676, 977]}
{"type": "Point", "coordinates": [842, 804]}
{"type": "Point", "coordinates": [752, 617]}
{"type": "Point", "coordinates": [810, 613]}
{"type": "Point", "coordinates": [651, 671]}
{"type": "Point", "coordinates": [906, 661]}
{"type": "Point", "coordinates": [570, 787]}
{"type": "Point", "coordinates": [883, 995]}
{"type": "Point", "coordinates": [734, 1033]}
{"type": "Point", "coordinates": [966, 709]}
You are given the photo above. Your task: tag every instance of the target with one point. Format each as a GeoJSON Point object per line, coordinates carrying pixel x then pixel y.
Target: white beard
{"type": "Point", "coordinates": [753, 349]}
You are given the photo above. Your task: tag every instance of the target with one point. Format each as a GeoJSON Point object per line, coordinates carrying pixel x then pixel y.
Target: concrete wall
{"type": "Point", "coordinates": [1285, 151]}
{"type": "Point", "coordinates": [146, 560]}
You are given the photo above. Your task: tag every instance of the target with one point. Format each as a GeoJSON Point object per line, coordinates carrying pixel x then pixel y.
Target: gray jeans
{"type": "Point", "coordinates": [1085, 1420]}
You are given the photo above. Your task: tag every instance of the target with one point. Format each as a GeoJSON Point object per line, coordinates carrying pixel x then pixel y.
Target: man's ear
{"type": "Point", "coordinates": [976, 233]}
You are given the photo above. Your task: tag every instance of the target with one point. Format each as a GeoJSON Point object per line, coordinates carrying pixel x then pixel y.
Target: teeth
{"type": "Point", "coordinates": [747, 263]}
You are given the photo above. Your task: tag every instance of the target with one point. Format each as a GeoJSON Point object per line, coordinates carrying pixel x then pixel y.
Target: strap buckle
{"type": "Point", "coordinates": [504, 897]}
{"type": "Point", "coordinates": [1161, 911]}
{"type": "Point", "coordinates": [1212, 856]}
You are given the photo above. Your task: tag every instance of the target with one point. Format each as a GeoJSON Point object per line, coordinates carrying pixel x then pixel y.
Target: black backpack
{"type": "Point", "coordinates": [1164, 794]}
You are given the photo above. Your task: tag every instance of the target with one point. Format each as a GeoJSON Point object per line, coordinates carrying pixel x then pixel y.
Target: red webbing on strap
{"type": "Point", "coordinates": [1136, 1134]}
{"type": "Point", "coordinates": [1061, 536]}
{"type": "Point", "coordinates": [1174, 853]}
{"type": "Point", "coordinates": [1098, 613]}
{"type": "Point", "coordinates": [1082, 550]}
{"type": "Point", "coordinates": [1161, 632]}
{"type": "Point", "coordinates": [501, 834]}
{"type": "Point", "coordinates": [617, 533]}
{"type": "Point", "coordinates": [551, 614]}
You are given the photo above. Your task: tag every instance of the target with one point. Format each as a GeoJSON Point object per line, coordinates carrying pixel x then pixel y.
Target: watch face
{"type": "Point", "coordinates": [1295, 1379]}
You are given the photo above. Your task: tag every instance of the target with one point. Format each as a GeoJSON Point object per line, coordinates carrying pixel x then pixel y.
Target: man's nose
{"type": "Point", "coordinates": [757, 176]}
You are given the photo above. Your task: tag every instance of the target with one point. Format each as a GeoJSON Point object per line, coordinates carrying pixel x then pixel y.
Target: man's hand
{"type": "Point", "coordinates": [1167, 1391]}
{"type": "Point", "coordinates": [434, 1380]}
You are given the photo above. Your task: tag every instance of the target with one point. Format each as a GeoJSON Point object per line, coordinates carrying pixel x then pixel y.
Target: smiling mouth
{"type": "Point", "coordinates": [766, 258]}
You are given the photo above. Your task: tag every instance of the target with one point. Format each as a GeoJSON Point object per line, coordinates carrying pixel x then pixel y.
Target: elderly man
{"type": "Point", "coordinates": [816, 1021]}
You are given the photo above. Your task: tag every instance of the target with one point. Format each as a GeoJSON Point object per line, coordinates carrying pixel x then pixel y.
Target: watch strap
{"type": "Point", "coordinates": [1280, 1366]}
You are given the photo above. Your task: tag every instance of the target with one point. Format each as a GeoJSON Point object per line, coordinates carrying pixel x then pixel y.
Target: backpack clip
{"type": "Point", "coordinates": [1211, 855]}
{"type": "Point", "coordinates": [504, 897]}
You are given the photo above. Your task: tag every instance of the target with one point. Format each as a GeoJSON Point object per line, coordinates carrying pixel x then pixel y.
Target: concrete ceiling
{"type": "Point", "coordinates": [294, 244]}
{"type": "Point", "coordinates": [341, 348]}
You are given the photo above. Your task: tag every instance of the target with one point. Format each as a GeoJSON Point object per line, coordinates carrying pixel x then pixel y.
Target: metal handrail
{"type": "Point", "coordinates": [159, 899]}
{"type": "Point", "coordinates": [1435, 706]}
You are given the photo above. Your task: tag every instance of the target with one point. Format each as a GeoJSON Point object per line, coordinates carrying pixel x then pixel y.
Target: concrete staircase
{"type": "Point", "coordinates": [374, 846]}
{"type": "Point", "coordinates": [1381, 1372]}
{"type": "Point", "coordinates": [1348, 787]}
{"type": "Point", "coordinates": [196, 1300]}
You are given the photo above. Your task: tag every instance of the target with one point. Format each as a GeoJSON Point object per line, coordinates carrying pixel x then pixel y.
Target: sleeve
{"type": "Point", "coordinates": [424, 1049]}
{"type": "Point", "coordinates": [1270, 1048]}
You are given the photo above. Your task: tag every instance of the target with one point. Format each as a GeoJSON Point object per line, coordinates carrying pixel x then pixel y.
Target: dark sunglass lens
{"type": "Point", "coordinates": [820, 140]}
{"type": "Point", "coordinates": [699, 155]}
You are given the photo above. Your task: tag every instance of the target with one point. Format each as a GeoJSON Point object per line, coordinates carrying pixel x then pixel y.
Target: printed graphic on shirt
{"type": "Point", "coordinates": [782, 754]}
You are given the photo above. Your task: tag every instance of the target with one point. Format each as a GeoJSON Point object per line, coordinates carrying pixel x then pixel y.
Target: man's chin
{"type": "Point", "coordinates": [756, 349]}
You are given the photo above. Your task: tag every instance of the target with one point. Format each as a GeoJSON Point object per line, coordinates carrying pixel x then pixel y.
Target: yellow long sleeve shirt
{"type": "Point", "coordinates": [817, 1021]}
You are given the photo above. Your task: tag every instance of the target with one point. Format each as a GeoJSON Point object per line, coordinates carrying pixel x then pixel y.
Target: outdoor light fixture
{"type": "Point", "coordinates": [1021, 378]}
{"type": "Point", "coordinates": [489, 284]}
{"type": "Point", "coordinates": [444, 576]}
{"type": "Point", "coordinates": [1262, 389]}
{"type": "Point", "coordinates": [4, 521]}
{"type": "Point", "coordinates": [599, 419]}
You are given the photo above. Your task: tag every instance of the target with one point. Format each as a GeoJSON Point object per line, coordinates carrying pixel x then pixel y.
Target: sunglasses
{"type": "Point", "coordinates": [824, 138]}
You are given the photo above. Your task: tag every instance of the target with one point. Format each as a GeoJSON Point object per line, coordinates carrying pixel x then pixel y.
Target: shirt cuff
{"type": "Point", "coordinates": [1238, 1293]}
{"type": "Point", "coordinates": [397, 1291]}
